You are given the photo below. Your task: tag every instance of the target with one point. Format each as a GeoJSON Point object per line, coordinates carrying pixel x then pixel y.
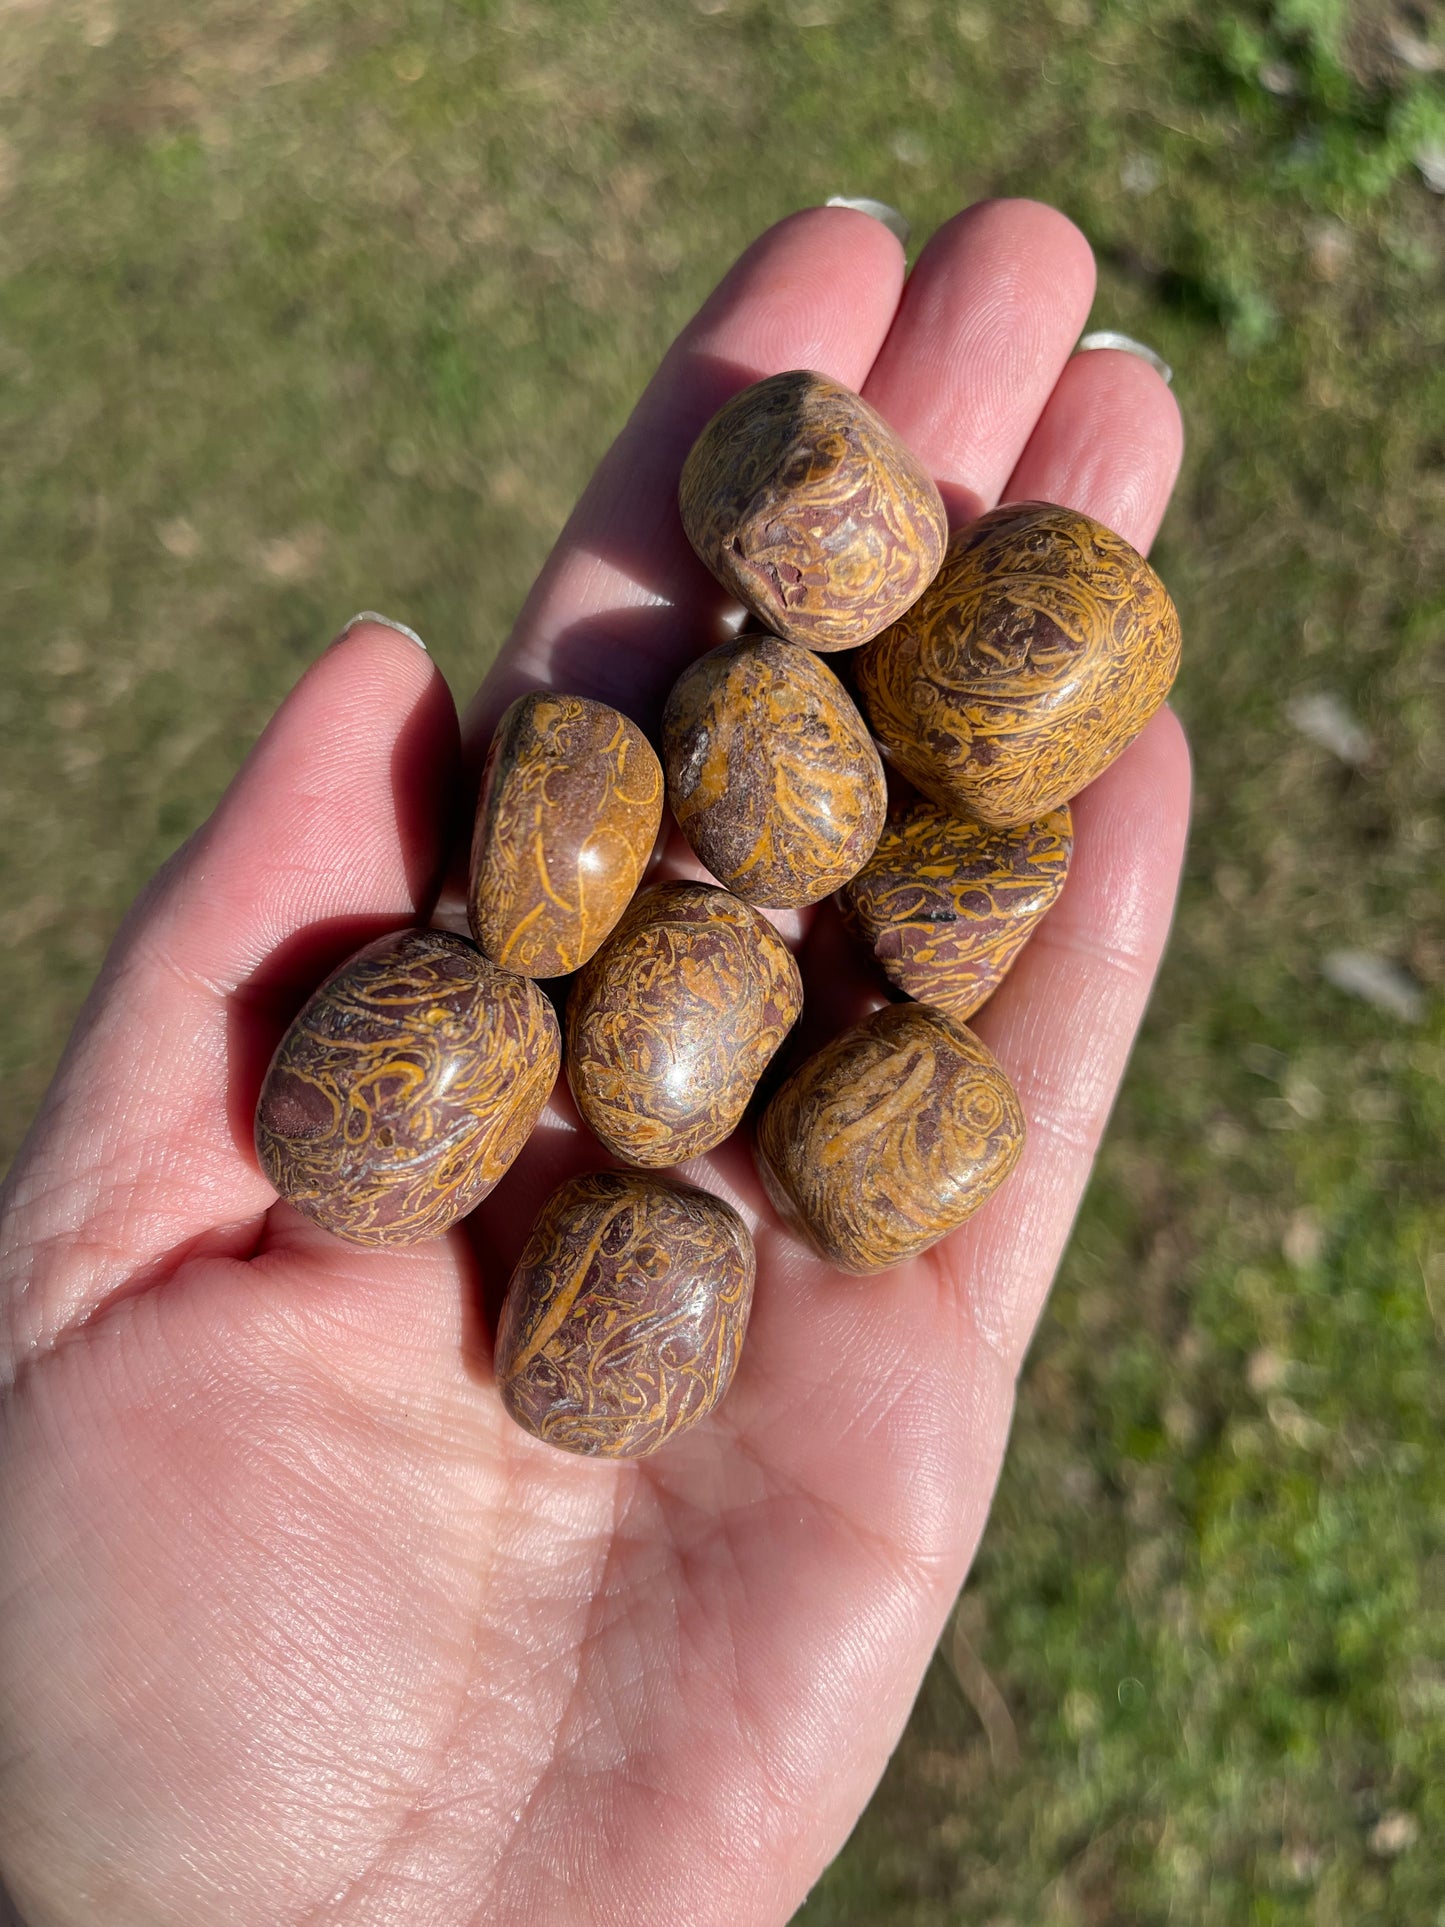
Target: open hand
{"type": "Point", "coordinates": [295, 1625]}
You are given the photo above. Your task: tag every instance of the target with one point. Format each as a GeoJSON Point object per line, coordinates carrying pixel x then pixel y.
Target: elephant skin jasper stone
{"type": "Point", "coordinates": [805, 504]}
{"type": "Point", "coordinates": [674, 1020]}
{"type": "Point", "coordinates": [946, 905]}
{"type": "Point", "coordinates": [570, 804]}
{"type": "Point", "coordinates": [771, 772]}
{"type": "Point", "coordinates": [405, 1088]}
{"type": "Point", "coordinates": [1039, 653]}
{"type": "Point", "coordinates": [889, 1138]}
{"type": "Point", "coordinates": [626, 1314]}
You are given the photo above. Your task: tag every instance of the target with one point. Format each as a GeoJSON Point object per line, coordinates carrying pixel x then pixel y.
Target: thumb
{"type": "Point", "coordinates": [333, 831]}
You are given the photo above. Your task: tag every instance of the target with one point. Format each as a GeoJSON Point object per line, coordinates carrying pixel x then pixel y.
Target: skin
{"type": "Point", "coordinates": [295, 1625]}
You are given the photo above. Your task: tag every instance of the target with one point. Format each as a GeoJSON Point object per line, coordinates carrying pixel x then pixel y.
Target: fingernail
{"type": "Point", "coordinates": [387, 622]}
{"type": "Point", "coordinates": [1109, 338]}
{"type": "Point", "coordinates": [895, 222]}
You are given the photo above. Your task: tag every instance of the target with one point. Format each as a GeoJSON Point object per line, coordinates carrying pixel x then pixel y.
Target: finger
{"type": "Point", "coordinates": [623, 602]}
{"type": "Point", "coordinates": [331, 833]}
{"type": "Point", "coordinates": [1063, 1024]}
{"type": "Point", "coordinates": [967, 375]}
{"type": "Point", "coordinates": [1108, 442]}
{"type": "Point", "coordinates": [1064, 1021]}
{"type": "Point", "coordinates": [988, 319]}
{"type": "Point", "coordinates": [337, 814]}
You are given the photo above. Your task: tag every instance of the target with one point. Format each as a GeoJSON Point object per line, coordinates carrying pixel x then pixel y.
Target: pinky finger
{"type": "Point", "coordinates": [1064, 1022]}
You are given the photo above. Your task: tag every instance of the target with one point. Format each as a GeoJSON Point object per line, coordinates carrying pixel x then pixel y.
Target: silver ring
{"type": "Point", "coordinates": [1111, 338]}
{"type": "Point", "coordinates": [895, 222]}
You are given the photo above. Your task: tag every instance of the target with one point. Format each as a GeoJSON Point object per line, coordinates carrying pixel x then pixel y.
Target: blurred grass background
{"type": "Point", "coordinates": [316, 305]}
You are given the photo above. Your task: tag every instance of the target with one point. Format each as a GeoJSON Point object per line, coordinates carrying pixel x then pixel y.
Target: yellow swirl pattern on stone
{"type": "Point", "coordinates": [889, 1138]}
{"type": "Point", "coordinates": [810, 510]}
{"type": "Point", "coordinates": [945, 905]}
{"type": "Point", "coordinates": [625, 1316]}
{"type": "Point", "coordinates": [674, 1020]}
{"type": "Point", "coordinates": [405, 1088]}
{"type": "Point", "coordinates": [567, 816]}
{"type": "Point", "coordinates": [1037, 655]}
{"type": "Point", "coordinates": [771, 772]}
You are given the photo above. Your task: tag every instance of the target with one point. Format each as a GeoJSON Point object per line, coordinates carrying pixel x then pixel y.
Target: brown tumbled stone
{"type": "Point", "coordinates": [771, 772]}
{"type": "Point", "coordinates": [674, 1020]}
{"type": "Point", "coordinates": [945, 905]}
{"type": "Point", "coordinates": [625, 1315]}
{"type": "Point", "coordinates": [405, 1088]}
{"type": "Point", "coordinates": [889, 1137]}
{"type": "Point", "coordinates": [805, 504]}
{"type": "Point", "coordinates": [1037, 655]}
{"type": "Point", "coordinates": [568, 814]}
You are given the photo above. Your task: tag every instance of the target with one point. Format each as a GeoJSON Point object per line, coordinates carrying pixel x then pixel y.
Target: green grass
{"type": "Point", "coordinates": [333, 303]}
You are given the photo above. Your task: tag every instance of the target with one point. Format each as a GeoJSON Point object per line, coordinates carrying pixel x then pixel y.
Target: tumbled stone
{"type": "Point", "coordinates": [811, 511]}
{"type": "Point", "coordinates": [405, 1088]}
{"type": "Point", "coordinates": [945, 905]}
{"type": "Point", "coordinates": [1037, 655]}
{"type": "Point", "coordinates": [674, 1020]}
{"type": "Point", "coordinates": [567, 817]}
{"type": "Point", "coordinates": [889, 1138]}
{"type": "Point", "coordinates": [626, 1313]}
{"type": "Point", "coordinates": [771, 772]}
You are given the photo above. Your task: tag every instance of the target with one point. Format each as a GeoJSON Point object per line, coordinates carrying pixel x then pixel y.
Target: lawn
{"type": "Point", "coordinates": [332, 304]}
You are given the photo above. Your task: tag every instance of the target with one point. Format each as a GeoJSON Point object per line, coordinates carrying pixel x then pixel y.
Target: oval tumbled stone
{"type": "Point", "coordinates": [674, 1020]}
{"type": "Point", "coordinates": [889, 1138]}
{"type": "Point", "coordinates": [405, 1088]}
{"type": "Point", "coordinates": [771, 772]}
{"type": "Point", "coordinates": [945, 905]}
{"type": "Point", "coordinates": [570, 803]}
{"type": "Point", "coordinates": [1037, 655]}
{"type": "Point", "coordinates": [625, 1315]}
{"type": "Point", "coordinates": [805, 504]}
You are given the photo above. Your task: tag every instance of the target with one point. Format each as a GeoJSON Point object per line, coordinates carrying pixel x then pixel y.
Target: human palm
{"type": "Point", "coordinates": [295, 1625]}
